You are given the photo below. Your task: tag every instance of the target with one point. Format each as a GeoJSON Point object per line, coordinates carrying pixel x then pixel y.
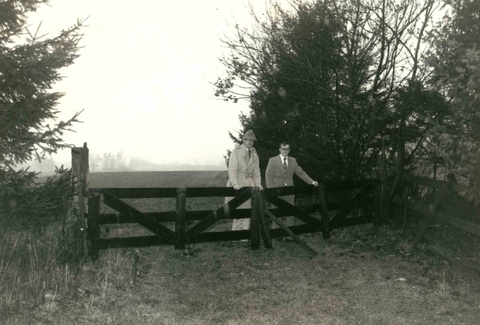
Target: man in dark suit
{"type": "Point", "coordinates": [279, 173]}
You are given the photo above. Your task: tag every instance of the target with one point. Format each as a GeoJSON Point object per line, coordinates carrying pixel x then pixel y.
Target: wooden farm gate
{"type": "Point", "coordinates": [330, 216]}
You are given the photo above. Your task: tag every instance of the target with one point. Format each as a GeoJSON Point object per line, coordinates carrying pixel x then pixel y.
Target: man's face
{"type": "Point", "coordinates": [284, 150]}
{"type": "Point", "coordinates": [248, 143]}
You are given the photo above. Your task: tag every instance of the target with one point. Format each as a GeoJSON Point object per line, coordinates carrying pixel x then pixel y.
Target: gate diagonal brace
{"type": "Point", "coordinates": [291, 234]}
{"type": "Point", "coordinates": [139, 217]}
{"type": "Point", "coordinates": [305, 217]}
{"type": "Point", "coordinates": [347, 208]}
{"type": "Point", "coordinates": [221, 213]}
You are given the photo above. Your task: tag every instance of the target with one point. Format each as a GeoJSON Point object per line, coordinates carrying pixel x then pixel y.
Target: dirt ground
{"type": "Point", "coordinates": [361, 276]}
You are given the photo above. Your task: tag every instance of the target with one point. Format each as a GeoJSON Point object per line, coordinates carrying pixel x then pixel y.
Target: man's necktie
{"type": "Point", "coordinates": [284, 164]}
{"type": "Point", "coordinates": [249, 154]}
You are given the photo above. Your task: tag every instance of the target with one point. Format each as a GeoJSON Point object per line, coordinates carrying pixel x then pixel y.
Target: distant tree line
{"type": "Point", "coordinates": [108, 161]}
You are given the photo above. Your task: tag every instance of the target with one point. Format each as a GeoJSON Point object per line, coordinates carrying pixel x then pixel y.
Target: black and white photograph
{"type": "Point", "coordinates": [240, 162]}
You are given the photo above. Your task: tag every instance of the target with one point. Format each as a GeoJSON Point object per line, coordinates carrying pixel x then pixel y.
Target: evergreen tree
{"type": "Point", "coordinates": [328, 77]}
{"type": "Point", "coordinates": [29, 66]}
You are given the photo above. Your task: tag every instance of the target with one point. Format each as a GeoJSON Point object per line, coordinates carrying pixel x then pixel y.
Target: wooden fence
{"type": "Point", "coordinates": [331, 205]}
{"type": "Point", "coordinates": [431, 208]}
{"type": "Point", "coordinates": [321, 215]}
{"type": "Point", "coordinates": [442, 205]}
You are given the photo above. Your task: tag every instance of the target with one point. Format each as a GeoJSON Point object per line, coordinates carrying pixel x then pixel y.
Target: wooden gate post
{"type": "Point", "coordinates": [80, 179]}
{"type": "Point", "coordinates": [180, 225]}
{"type": "Point", "coordinates": [264, 224]}
{"type": "Point", "coordinates": [405, 207]}
{"type": "Point", "coordinates": [324, 210]}
{"type": "Point", "coordinates": [93, 229]}
{"type": "Point", "coordinates": [381, 191]}
{"type": "Point", "coordinates": [255, 219]}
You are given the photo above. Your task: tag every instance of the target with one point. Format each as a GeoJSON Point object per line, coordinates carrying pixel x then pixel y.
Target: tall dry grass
{"type": "Point", "coordinates": [39, 272]}
{"type": "Point", "coordinates": [32, 271]}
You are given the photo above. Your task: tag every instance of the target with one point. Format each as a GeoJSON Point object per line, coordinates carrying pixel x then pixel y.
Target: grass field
{"type": "Point", "coordinates": [159, 179]}
{"type": "Point", "coordinates": [363, 275]}
{"type": "Point", "coordinates": [361, 278]}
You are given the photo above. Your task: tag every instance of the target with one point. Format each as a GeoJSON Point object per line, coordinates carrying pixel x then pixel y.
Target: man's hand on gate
{"type": "Point", "coordinates": [237, 187]}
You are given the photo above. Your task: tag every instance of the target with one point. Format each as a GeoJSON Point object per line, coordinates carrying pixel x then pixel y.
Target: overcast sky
{"type": "Point", "coordinates": [144, 77]}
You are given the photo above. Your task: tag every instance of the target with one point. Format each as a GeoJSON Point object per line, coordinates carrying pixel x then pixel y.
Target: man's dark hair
{"type": "Point", "coordinates": [283, 143]}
